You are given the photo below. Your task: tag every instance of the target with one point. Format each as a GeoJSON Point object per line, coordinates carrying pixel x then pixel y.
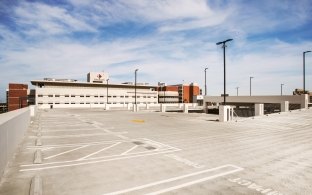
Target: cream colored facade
{"type": "Point", "coordinates": [59, 94]}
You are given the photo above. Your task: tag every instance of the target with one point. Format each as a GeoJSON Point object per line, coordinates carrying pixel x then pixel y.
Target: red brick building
{"type": "Point", "coordinates": [17, 96]}
{"type": "Point", "coordinates": [185, 92]}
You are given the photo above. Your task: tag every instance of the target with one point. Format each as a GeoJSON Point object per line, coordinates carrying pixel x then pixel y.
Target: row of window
{"type": "Point", "coordinates": [96, 96]}
{"type": "Point", "coordinates": [51, 103]}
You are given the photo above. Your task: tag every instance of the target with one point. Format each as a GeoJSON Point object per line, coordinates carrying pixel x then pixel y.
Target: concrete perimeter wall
{"type": "Point", "coordinates": [13, 126]}
{"type": "Point", "coordinates": [292, 99]}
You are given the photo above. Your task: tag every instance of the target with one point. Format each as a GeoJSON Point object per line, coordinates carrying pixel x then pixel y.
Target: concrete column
{"type": "Point", "coordinates": [285, 106]}
{"type": "Point", "coordinates": [136, 108]}
{"type": "Point", "coordinates": [181, 105]}
{"type": "Point", "coordinates": [162, 108]}
{"type": "Point", "coordinates": [224, 113]}
{"type": "Point", "coordinates": [129, 106]}
{"type": "Point", "coordinates": [185, 108]}
{"type": "Point", "coordinates": [32, 110]}
{"type": "Point", "coordinates": [205, 107]}
{"type": "Point", "coordinates": [304, 101]}
{"type": "Point", "coordinates": [106, 107]}
{"type": "Point", "coordinates": [147, 106]}
{"type": "Point", "coordinates": [259, 109]}
{"type": "Point", "coordinates": [232, 113]}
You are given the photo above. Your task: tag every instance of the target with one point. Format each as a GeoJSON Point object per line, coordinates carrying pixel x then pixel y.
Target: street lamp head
{"type": "Point", "coordinates": [223, 42]}
{"type": "Point", "coordinates": [228, 40]}
{"type": "Point", "coordinates": [251, 77]}
{"type": "Point", "coordinates": [136, 70]}
{"type": "Point", "coordinates": [306, 51]}
{"type": "Point", "coordinates": [206, 69]}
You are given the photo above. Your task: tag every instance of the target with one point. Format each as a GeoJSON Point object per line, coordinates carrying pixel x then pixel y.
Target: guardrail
{"type": "Point", "coordinates": [13, 126]}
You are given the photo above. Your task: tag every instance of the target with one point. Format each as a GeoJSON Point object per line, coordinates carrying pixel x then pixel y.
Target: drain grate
{"type": "Point", "coordinates": [150, 148]}
{"type": "Point", "coordinates": [137, 143]}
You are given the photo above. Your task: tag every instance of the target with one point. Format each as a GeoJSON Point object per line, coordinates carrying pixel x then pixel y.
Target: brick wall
{"type": "Point", "coordinates": [17, 96]}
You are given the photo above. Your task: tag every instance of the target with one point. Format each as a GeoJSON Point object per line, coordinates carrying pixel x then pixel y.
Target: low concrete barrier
{"type": "Point", "coordinates": [13, 126]}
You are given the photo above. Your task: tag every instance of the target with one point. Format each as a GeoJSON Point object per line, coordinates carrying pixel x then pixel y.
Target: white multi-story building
{"type": "Point", "coordinates": [66, 93]}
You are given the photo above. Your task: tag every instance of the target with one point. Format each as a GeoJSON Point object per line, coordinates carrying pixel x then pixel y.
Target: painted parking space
{"type": "Point", "coordinates": [67, 155]}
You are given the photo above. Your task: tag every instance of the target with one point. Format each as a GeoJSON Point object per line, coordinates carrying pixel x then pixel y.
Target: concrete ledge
{"type": "Point", "coordinates": [36, 186]}
{"type": "Point", "coordinates": [38, 142]}
{"type": "Point", "coordinates": [38, 157]}
{"type": "Point", "coordinates": [13, 126]}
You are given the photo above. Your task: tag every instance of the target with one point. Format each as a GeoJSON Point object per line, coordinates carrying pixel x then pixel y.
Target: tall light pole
{"type": "Point", "coordinates": [205, 82]}
{"type": "Point", "coordinates": [107, 91]}
{"type": "Point", "coordinates": [224, 89]}
{"type": "Point", "coordinates": [135, 84]}
{"type": "Point", "coordinates": [282, 89]}
{"type": "Point", "coordinates": [304, 91]}
{"type": "Point", "coordinates": [237, 91]}
{"type": "Point", "coordinates": [250, 85]}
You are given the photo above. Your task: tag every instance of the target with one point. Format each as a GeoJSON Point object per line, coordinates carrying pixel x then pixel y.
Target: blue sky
{"type": "Point", "coordinates": [167, 40]}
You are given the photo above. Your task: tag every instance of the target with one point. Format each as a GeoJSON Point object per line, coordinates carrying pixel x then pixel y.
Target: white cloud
{"type": "Point", "coordinates": [43, 19]}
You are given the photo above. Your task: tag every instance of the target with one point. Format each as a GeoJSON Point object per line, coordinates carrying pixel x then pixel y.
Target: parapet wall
{"type": "Point", "coordinates": [13, 126]}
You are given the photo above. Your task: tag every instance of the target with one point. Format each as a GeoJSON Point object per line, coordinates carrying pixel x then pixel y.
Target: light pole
{"type": "Point", "coordinates": [107, 91]}
{"type": "Point", "coordinates": [282, 89]}
{"type": "Point", "coordinates": [237, 91]}
{"type": "Point", "coordinates": [224, 89]}
{"type": "Point", "coordinates": [250, 85]}
{"type": "Point", "coordinates": [135, 84]}
{"type": "Point", "coordinates": [304, 91]}
{"type": "Point", "coordinates": [205, 82]}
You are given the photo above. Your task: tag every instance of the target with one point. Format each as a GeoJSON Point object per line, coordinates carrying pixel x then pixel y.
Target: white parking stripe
{"type": "Point", "coordinates": [68, 151]}
{"type": "Point", "coordinates": [134, 147]}
{"type": "Point", "coordinates": [86, 163]}
{"type": "Point", "coordinates": [193, 182]}
{"type": "Point", "coordinates": [179, 178]}
{"type": "Point", "coordinates": [103, 149]}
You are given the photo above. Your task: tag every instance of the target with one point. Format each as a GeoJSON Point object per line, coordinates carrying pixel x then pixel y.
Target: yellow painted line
{"type": "Point", "coordinates": [138, 121]}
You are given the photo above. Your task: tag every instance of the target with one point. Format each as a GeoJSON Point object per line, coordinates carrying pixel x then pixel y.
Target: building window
{"type": "Point", "coordinates": [72, 96]}
{"type": "Point", "coordinates": [40, 95]}
{"type": "Point", "coordinates": [57, 95]}
{"type": "Point", "coordinates": [81, 103]}
{"type": "Point", "coordinates": [96, 103]}
{"type": "Point", "coordinates": [40, 103]}
{"type": "Point", "coordinates": [126, 96]}
{"type": "Point", "coordinates": [114, 96]}
{"type": "Point", "coordinates": [88, 103]}
{"type": "Point", "coordinates": [66, 95]}
{"type": "Point", "coordinates": [87, 95]}
{"type": "Point", "coordinates": [81, 95]}
{"type": "Point", "coordinates": [101, 96]}
{"type": "Point", "coordinates": [50, 103]}
{"type": "Point", "coordinates": [96, 96]}
{"type": "Point", "coordinates": [72, 103]}
{"type": "Point", "coordinates": [66, 103]}
{"type": "Point", "coordinates": [57, 102]}
{"type": "Point", "coordinates": [50, 95]}
{"type": "Point", "coordinates": [101, 102]}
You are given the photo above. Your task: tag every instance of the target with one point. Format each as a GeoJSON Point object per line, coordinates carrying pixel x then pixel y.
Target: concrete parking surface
{"type": "Point", "coordinates": [81, 151]}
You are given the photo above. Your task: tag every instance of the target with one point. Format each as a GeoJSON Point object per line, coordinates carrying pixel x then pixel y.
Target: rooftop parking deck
{"type": "Point", "coordinates": [91, 151]}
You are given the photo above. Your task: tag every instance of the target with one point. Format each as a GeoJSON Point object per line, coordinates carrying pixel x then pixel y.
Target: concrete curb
{"type": "Point", "coordinates": [36, 186]}
{"type": "Point", "coordinates": [38, 157]}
